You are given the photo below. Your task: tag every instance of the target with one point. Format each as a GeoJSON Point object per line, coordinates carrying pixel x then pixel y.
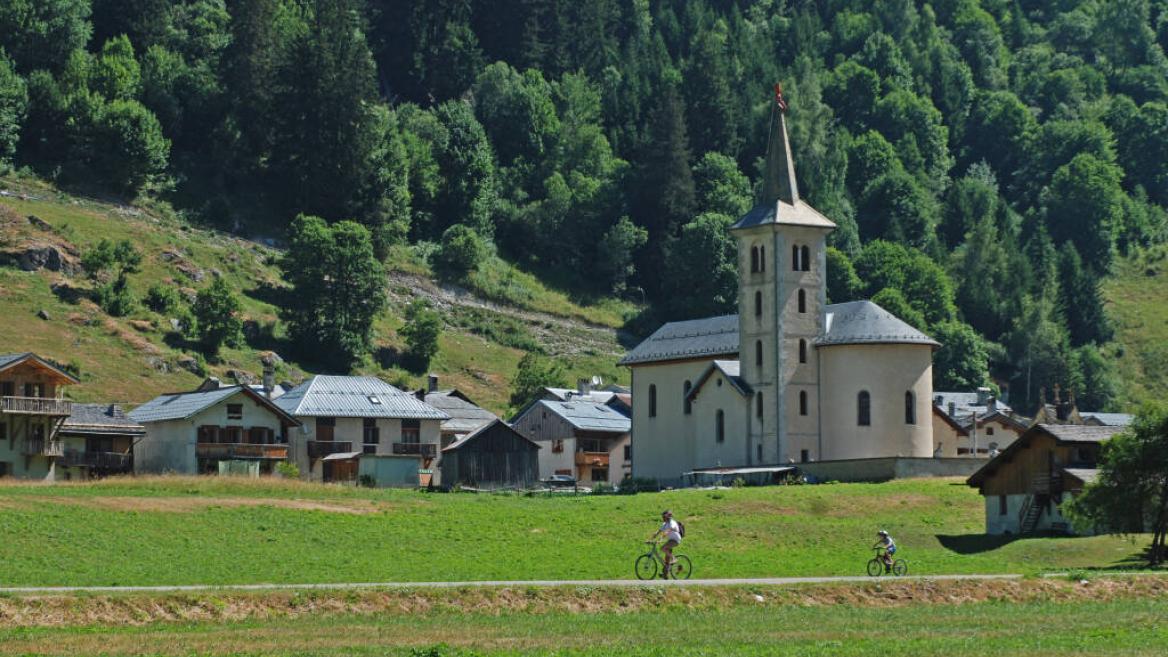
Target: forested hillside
{"type": "Point", "coordinates": [990, 163]}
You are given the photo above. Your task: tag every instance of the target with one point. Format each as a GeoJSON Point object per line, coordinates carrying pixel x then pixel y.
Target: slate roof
{"type": "Point", "coordinates": [1063, 433]}
{"type": "Point", "coordinates": [731, 371]}
{"type": "Point", "coordinates": [354, 396]}
{"type": "Point", "coordinates": [465, 416]}
{"type": "Point", "coordinates": [1080, 433]}
{"type": "Point", "coordinates": [782, 213]}
{"type": "Point", "coordinates": [100, 419]}
{"type": "Point", "coordinates": [182, 405]}
{"type": "Point", "coordinates": [863, 322]}
{"type": "Point", "coordinates": [695, 338]}
{"type": "Point", "coordinates": [8, 360]}
{"type": "Point", "coordinates": [467, 439]}
{"type": "Point", "coordinates": [589, 416]}
{"type": "Point", "coordinates": [1109, 419]}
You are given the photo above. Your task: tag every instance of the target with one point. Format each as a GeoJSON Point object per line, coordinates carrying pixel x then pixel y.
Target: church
{"type": "Point", "coordinates": [790, 378]}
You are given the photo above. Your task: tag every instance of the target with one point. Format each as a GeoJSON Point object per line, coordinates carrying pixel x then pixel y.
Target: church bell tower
{"type": "Point", "coordinates": [782, 283]}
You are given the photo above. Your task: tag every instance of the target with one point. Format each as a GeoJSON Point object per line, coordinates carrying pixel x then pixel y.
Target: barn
{"type": "Point", "coordinates": [495, 456]}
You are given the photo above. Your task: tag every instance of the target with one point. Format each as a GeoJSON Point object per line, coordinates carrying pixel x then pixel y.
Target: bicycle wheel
{"type": "Point", "coordinates": [875, 567]}
{"type": "Point", "coordinates": [682, 567]}
{"type": "Point", "coordinates": [899, 567]}
{"type": "Point", "coordinates": [646, 567]}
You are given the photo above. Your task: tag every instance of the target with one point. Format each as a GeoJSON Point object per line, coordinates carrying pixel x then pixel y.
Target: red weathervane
{"type": "Point", "coordinates": [779, 100]}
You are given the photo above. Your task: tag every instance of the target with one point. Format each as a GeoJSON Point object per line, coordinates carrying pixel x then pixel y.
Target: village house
{"type": "Point", "coordinates": [97, 441]}
{"type": "Point", "coordinates": [494, 456]}
{"type": "Point", "coordinates": [361, 425]}
{"type": "Point", "coordinates": [587, 440]}
{"type": "Point", "coordinates": [234, 429]}
{"type": "Point", "coordinates": [988, 425]}
{"type": "Point", "coordinates": [465, 416]}
{"type": "Point", "coordinates": [1025, 484]}
{"type": "Point", "coordinates": [800, 380]}
{"type": "Point", "coordinates": [32, 410]}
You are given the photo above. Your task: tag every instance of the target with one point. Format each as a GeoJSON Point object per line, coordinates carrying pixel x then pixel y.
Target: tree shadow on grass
{"type": "Point", "coordinates": [975, 543]}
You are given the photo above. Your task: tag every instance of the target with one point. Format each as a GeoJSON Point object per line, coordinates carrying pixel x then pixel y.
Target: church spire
{"type": "Point", "coordinates": [779, 184]}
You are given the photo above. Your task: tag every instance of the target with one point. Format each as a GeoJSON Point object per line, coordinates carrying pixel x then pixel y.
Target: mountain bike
{"type": "Point", "coordinates": [876, 565]}
{"type": "Point", "coordinates": [647, 564]}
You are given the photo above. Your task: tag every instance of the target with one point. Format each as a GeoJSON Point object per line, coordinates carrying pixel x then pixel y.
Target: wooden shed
{"type": "Point", "coordinates": [1025, 484]}
{"type": "Point", "coordinates": [495, 456]}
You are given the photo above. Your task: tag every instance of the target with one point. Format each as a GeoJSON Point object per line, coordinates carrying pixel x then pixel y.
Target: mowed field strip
{"type": "Point", "coordinates": [217, 531]}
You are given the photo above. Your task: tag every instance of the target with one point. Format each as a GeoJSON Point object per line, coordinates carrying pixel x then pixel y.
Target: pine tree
{"type": "Point", "coordinates": [1081, 300]}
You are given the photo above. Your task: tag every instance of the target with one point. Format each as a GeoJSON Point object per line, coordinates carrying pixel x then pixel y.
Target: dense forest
{"type": "Point", "coordinates": [986, 160]}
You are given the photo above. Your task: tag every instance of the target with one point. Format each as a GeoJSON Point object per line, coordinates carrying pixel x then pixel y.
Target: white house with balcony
{"type": "Point", "coordinates": [346, 417]}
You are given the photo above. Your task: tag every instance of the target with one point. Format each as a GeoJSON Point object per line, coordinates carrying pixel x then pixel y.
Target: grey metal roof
{"type": "Point", "coordinates": [965, 403]}
{"type": "Point", "coordinates": [589, 416]}
{"type": "Point", "coordinates": [1109, 419]}
{"type": "Point", "coordinates": [354, 396]}
{"type": "Point", "coordinates": [465, 416]}
{"type": "Point", "coordinates": [730, 370]}
{"type": "Point", "coordinates": [182, 405]}
{"type": "Point", "coordinates": [863, 322]}
{"type": "Point", "coordinates": [783, 213]}
{"type": "Point", "coordinates": [695, 338]}
{"type": "Point", "coordinates": [469, 438]}
{"type": "Point", "coordinates": [564, 394]}
{"type": "Point", "coordinates": [100, 419]}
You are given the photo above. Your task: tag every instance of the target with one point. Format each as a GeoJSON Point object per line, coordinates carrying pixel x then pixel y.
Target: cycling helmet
{"type": "Point", "coordinates": [882, 533]}
{"type": "Point", "coordinates": [666, 513]}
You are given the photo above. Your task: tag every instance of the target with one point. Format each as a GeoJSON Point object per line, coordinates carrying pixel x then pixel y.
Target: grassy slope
{"type": "Point", "coordinates": [160, 531]}
{"type": "Point", "coordinates": [121, 363]}
{"type": "Point", "coordinates": [1138, 303]}
{"type": "Point", "coordinates": [679, 624]}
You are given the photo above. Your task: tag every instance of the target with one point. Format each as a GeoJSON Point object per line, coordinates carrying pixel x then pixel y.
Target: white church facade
{"type": "Point", "coordinates": [790, 378]}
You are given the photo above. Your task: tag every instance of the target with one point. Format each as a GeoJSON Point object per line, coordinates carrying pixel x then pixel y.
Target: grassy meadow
{"type": "Point", "coordinates": [1028, 617]}
{"type": "Point", "coordinates": [158, 531]}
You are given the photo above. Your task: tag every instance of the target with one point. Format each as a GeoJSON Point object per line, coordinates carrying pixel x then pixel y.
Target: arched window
{"type": "Point", "coordinates": [864, 409]}
{"type": "Point", "coordinates": [762, 258]}
{"type": "Point", "coordinates": [802, 350]}
{"type": "Point", "coordinates": [805, 261]}
{"type": "Point", "coordinates": [688, 405]}
{"type": "Point", "coordinates": [758, 352]}
{"type": "Point", "coordinates": [794, 258]}
{"type": "Point", "coordinates": [652, 400]}
{"type": "Point", "coordinates": [753, 259]}
{"type": "Point", "coordinates": [720, 426]}
{"type": "Point", "coordinates": [758, 405]}
{"type": "Point", "coordinates": [910, 408]}
{"type": "Point", "coordinates": [758, 304]}
{"type": "Point", "coordinates": [802, 402]}
{"type": "Point", "coordinates": [802, 301]}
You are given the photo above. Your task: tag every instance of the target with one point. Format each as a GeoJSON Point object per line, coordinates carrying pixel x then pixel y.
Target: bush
{"type": "Point", "coordinates": [217, 317]}
{"type": "Point", "coordinates": [603, 488]}
{"type": "Point", "coordinates": [161, 298]}
{"type": "Point", "coordinates": [633, 485]}
{"type": "Point", "coordinates": [421, 331]}
{"type": "Point", "coordinates": [116, 298]}
{"type": "Point", "coordinates": [460, 252]}
{"type": "Point", "coordinates": [288, 470]}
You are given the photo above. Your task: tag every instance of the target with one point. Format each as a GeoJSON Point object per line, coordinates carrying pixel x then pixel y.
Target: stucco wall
{"type": "Point", "coordinates": [352, 430]}
{"type": "Point", "coordinates": [1009, 522]}
{"type": "Point", "coordinates": [663, 445]}
{"type": "Point", "coordinates": [717, 393]}
{"type": "Point", "coordinates": [19, 428]}
{"type": "Point", "coordinates": [945, 437]}
{"type": "Point", "coordinates": [883, 469]}
{"type": "Point", "coordinates": [886, 371]}
{"type": "Point", "coordinates": [170, 446]}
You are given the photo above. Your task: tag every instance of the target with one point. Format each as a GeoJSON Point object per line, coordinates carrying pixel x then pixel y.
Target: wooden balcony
{"type": "Point", "coordinates": [36, 406]}
{"type": "Point", "coordinates": [100, 460]}
{"type": "Point", "coordinates": [240, 451]}
{"type": "Point", "coordinates": [322, 448]}
{"type": "Point", "coordinates": [595, 459]}
{"type": "Point", "coordinates": [426, 450]}
{"type": "Point", "coordinates": [42, 447]}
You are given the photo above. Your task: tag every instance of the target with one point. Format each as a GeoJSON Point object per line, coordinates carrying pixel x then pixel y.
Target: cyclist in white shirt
{"type": "Point", "coordinates": [672, 533]}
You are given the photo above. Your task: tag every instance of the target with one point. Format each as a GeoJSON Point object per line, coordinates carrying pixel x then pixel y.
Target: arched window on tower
{"type": "Point", "coordinates": [688, 404]}
{"type": "Point", "coordinates": [758, 352]}
{"type": "Point", "coordinates": [802, 350]}
{"type": "Point", "coordinates": [753, 259]}
{"type": "Point", "coordinates": [802, 402]}
{"type": "Point", "coordinates": [653, 400]}
{"type": "Point", "coordinates": [910, 408]}
{"type": "Point", "coordinates": [720, 426]}
{"type": "Point", "coordinates": [802, 301]}
{"type": "Point", "coordinates": [762, 258]}
{"type": "Point", "coordinates": [758, 405]}
{"type": "Point", "coordinates": [758, 304]}
{"type": "Point", "coordinates": [795, 258]}
{"type": "Point", "coordinates": [864, 409]}
{"type": "Point", "coordinates": [805, 260]}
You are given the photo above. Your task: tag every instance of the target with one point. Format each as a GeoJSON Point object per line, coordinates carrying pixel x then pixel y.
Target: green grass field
{"type": "Point", "coordinates": [222, 531]}
{"type": "Point", "coordinates": [1020, 618]}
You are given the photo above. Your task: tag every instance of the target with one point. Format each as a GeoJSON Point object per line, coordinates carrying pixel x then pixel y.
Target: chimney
{"type": "Point", "coordinates": [269, 377]}
{"type": "Point", "coordinates": [983, 395]}
{"type": "Point", "coordinates": [420, 393]}
{"type": "Point", "coordinates": [115, 410]}
{"type": "Point", "coordinates": [432, 383]}
{"type": "Point", "coordinates": [209, 384]}
{"type": "Point", "coordinates": [953, 410]}
{"type": "Point", "coordinates": [584, 387]}
{"type": "Point", "coordinates": [938, 400]}
{"type": "Point", "coordinates": [991, 403]}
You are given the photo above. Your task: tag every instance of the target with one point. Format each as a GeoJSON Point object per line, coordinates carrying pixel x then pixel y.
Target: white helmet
{"type": "Point", "coordinates": [882, 533]}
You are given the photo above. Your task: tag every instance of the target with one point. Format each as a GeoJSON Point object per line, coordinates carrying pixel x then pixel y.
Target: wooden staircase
{"type": "Point", "coordinates": [1036, 502]}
